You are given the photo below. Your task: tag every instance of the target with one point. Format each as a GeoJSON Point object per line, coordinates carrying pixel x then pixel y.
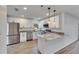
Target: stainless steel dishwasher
{"type": "Point", "coordinates": [29, 35]}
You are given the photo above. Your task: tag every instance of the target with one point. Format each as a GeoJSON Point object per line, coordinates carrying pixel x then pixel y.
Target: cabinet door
{"type": "Point", "coordinates": [34, 35]}
{"type": "Point", "coordinates": [23, 37]}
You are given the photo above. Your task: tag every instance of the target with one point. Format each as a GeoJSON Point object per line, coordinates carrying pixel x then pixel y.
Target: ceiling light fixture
{"type": "Point", "coordinates": [16, 9]}
{"type": "Point", "coordinates": [54, 14]}
{"type": "Point", "coordinates": [41, 5]}
{"type": "Point", "coordinates": [25, 8]}
{"type": "Point", "coordinates": [49, 14]}
{"type": "Point", "coordinates": [54, 22]}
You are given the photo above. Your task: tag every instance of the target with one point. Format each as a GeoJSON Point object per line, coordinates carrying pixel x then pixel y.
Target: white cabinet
{"type": "Point", "coordinates": [34, 35]}
{"type": "Point", "coordinates": [23, 36]}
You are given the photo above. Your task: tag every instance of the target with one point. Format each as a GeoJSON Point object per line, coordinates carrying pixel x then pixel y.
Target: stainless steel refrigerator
{"type": "Point", "coordinates": [14, 35]}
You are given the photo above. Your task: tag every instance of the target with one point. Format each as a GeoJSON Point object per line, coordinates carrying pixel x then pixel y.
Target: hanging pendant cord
{"type": "Point", "coordinates": [54, 13]}
{"type": "Point", "coordinates": [49, 12]}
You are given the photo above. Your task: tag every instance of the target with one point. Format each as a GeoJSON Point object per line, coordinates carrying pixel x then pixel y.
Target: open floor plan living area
{"type": "Point", "coordinates": [39, 29]}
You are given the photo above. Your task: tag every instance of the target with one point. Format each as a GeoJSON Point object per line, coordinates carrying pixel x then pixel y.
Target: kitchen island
{"type": "Point", "coordinates": [47, 43]}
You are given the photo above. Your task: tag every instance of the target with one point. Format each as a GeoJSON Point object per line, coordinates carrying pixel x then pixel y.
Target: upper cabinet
{"type": "Point", "coordinates": [54, 22]}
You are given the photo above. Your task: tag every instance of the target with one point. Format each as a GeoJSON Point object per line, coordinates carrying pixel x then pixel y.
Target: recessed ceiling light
{"type": "Point", "coordinates": [25, 8]}
{"type": "Point", "coordinates": [16, 9]}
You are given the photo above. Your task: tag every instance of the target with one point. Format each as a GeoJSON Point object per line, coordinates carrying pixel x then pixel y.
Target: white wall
{"type": "Point", "coordinates": [70, 29]}
{"type": "Point", "coordinates": [71, 26]}
{"type": "Point", "coordinates": [3, 31]}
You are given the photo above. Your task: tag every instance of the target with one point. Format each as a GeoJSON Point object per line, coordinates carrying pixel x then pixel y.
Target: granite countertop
{"type": "Point", "coordinates": [50, 36]}
{"type": "Point", "coordinates": [26, 29]}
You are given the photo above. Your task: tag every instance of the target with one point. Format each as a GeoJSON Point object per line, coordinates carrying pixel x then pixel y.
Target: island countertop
{"type": "Point", "coordinates": [51, 36]}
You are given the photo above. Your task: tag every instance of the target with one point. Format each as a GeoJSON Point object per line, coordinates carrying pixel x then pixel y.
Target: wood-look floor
{"type": "Point", "coordinates": [71, 49]}
{"type": "Point", "coordinates": [27, 48]}
{"type": "Point", "coordinates": [22, 48]}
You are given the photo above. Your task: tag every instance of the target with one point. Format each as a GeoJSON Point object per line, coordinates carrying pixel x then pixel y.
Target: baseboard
{"type": "Point", "coordinates": [13, 43]}
{"type": "Point", "coordinates": [30, 40]}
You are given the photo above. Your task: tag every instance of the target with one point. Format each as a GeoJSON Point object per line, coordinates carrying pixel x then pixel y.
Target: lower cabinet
{"type": "Point", "coordinates": [23, 36]}
{"type": "Point", "coordinates": [26, 36]}
{"type": "Point", "coordinates": [34, 35]}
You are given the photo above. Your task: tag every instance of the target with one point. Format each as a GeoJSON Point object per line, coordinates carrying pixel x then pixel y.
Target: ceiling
{"type": "Point", "coordinates": [37, 12]}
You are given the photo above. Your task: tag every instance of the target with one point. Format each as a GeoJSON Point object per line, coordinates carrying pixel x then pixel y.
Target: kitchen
{"type": "Point", "coordinates": [51, 29]}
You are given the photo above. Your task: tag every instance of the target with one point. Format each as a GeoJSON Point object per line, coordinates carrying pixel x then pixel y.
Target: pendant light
{"type": "Point", "coordinates": [54, 14]}
{"type": "Point", "coordinates": [49, 14]}
{"type": "Point", "coordinates": [54, 22]}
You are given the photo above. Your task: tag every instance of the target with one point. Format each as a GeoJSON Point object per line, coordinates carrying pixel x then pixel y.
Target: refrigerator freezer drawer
{"type": "Point", "coordinates": [13, 39]}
